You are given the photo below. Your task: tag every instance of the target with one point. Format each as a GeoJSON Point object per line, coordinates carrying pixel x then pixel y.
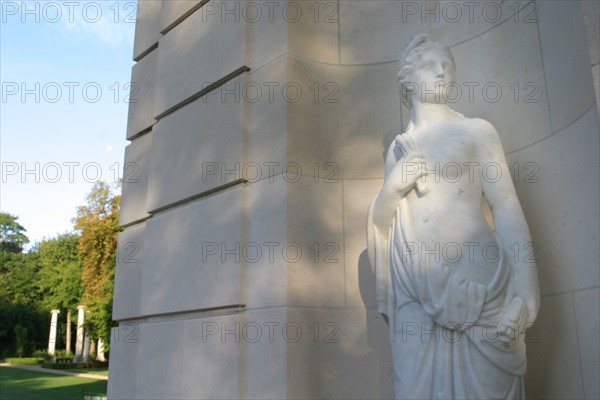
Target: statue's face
{"type": "Point", "coordinates": [431, 75]}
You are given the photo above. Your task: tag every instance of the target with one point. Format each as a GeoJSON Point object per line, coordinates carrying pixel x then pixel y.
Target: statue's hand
{"type": "Point", "coordinates": [406, 173]}
{"type": "Point", "coordinates": [521, 286]}
{"type": "Point", "coordinates": [513, 320]}
{"type": "Point", "coordinates": [508, 314]}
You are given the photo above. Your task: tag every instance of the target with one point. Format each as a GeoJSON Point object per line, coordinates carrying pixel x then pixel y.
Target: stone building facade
{"type": "Point", "coordinates": [257, 143]}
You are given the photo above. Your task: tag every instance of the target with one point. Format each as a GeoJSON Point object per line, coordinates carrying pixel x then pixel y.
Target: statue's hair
{"type": "Point", "coordinates": [411, 55]}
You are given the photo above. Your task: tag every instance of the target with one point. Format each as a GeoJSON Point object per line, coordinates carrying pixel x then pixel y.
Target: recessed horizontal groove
{"type": "Point", "coordinates": [136, 222]}
{"type": "Point", "coordinates": [142, 132]}
{"type": "Point", "coordinates": [189, 314]}
{"type": "Point", "coordinates": [204, 91]}
{"type": "Point", "coordinates": [199, 195]}
{"type": "Point", "coordinates": [145, 53]}
{"type": "Point", "coordinates": [184, 16]}
{"type": "Point", "coordinates": [571, 291]}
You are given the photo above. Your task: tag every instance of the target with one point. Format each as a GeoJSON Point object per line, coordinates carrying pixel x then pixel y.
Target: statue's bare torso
{"type": "Point", "coordinates": [447, 224]}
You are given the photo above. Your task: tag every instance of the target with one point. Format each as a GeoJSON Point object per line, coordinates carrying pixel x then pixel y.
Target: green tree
{"type": "Point", "coordinates": [59, 278]}
{"type": "Point", "coordinates": [98, 224]}
{"type": "Point", "coordinates": [22, 340]}
{"type": "Point", "coordinates": [60, 270]}
{"type": "Point", "coordinates": [12, 234]}
{"type": "Point", "coordinates": [18, 280]}
{"type": "Point", "coordinates": [23, 323]}
{"type": "Point", "coordinates": [17, 273]}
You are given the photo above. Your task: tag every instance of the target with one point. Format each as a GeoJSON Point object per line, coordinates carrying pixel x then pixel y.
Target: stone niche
{"type": "Point", "coordinates": [256, 146]}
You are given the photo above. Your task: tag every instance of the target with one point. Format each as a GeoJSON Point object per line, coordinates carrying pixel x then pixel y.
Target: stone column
{"type": "Point", "coordinates": [68, 344]}
{"type": "Point", "coordinates": [52, 338]}
{"type": "Point", "coordinates": [100, 350]}
{"type": "Point", "coordinates": [79, 339]}
{"type": "Point", "coordinates": [86, 346]}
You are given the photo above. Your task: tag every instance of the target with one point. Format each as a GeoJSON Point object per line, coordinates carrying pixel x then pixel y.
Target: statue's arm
{"type": "Point", "coordinates": [510, 224]}
{"type": "Point", "coordinates": [401, 175]}
{"type": "Point", "coordinates": [377, 252]}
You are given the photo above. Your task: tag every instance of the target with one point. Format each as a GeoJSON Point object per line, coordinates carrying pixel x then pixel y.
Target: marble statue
{"type": "Point", "coordinates": [450, 247]}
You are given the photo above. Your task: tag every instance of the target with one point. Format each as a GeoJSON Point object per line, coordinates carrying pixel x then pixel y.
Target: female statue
{"type": "Point", "coordinates": [455, 287]}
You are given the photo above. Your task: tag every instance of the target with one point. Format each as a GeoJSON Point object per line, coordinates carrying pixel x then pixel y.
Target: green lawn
{"type": "Point", "coordinates": [17, 384]}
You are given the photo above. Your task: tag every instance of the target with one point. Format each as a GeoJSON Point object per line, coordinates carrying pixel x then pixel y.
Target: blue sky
{"type": "Point", "coordinates": [65, 68]}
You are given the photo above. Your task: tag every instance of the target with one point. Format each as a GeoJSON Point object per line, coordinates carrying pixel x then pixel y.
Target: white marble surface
{"type": "Point", "coordinates": [141, 106]}
{"type": "Point", "coordinates": [268, 119]}
{"type": "Point", "coordinates": [314, 34]}
{"type": "Point", "coordinates": [147, 32]}
{"type": "Point", "coordinates": [520, 77]}
{"type": "Point", "coordinates": [351, 342]}
{"type": "Point", "coordinates": [411, 219]}
{"type": "Point", "coordinates": [567, 67]}
{"type": "Point", "coordinates": [159, 341]}
{"type": "Point", "coordinates": [175, 242]}
{"type": "Point", "coordinates": [317, 278]}
{"type": "Point", "coordinates": [587, 316]}
{"type": "Point", "coordinates": [123, 360]}
{"type": "Point", "coordinates": [135, 179]}
{"type": "Point", "coordinates": [563, 225]}
{"type": "Point", "coordinates": [174, 10]}
{"type": "Point", "coordinates": [360, 283]}
{"type": "Point", "coordinates": [373, 39]}
{"type": "Point", "coordinates": [129, 273]}
{"type": "Point", "coordinates": [193, 149]}
{"type": "Point", "coordinates": [591, 11]}
{"type": "Point", "coordinates": [196, 53]}
{"type": "Point", "coordinates": [206, 358]}
{"type": "Point", "coordinates": [348, 122]}
{"type": "Point", "coordinates": [554, 374]}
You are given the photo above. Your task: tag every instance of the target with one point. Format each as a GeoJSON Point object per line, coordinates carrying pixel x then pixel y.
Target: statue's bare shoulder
{"type": "Point", "coordinates": [479, 126]}
{"type": "Point", "coordinates": [486, 138]}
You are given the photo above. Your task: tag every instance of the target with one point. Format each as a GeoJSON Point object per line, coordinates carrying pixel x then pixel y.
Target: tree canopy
{"type": "Point", "coordinates": [23, 324]}
{"type": "Point", "coordinates": [98, 224]}
{"type": "Point", "coordinates": [58, 273]}
{"type": "Point", "coordinates": [12, 234]}
{"type": "Point", "coordinates": [59, 279]}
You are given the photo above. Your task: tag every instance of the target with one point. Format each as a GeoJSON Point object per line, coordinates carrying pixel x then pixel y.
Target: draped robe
{"type": "Point", "coordinates": [440, 349]}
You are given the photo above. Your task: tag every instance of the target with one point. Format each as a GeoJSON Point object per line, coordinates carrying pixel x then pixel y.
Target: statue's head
{"type": "Point", "coordinates": [424, 61]}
